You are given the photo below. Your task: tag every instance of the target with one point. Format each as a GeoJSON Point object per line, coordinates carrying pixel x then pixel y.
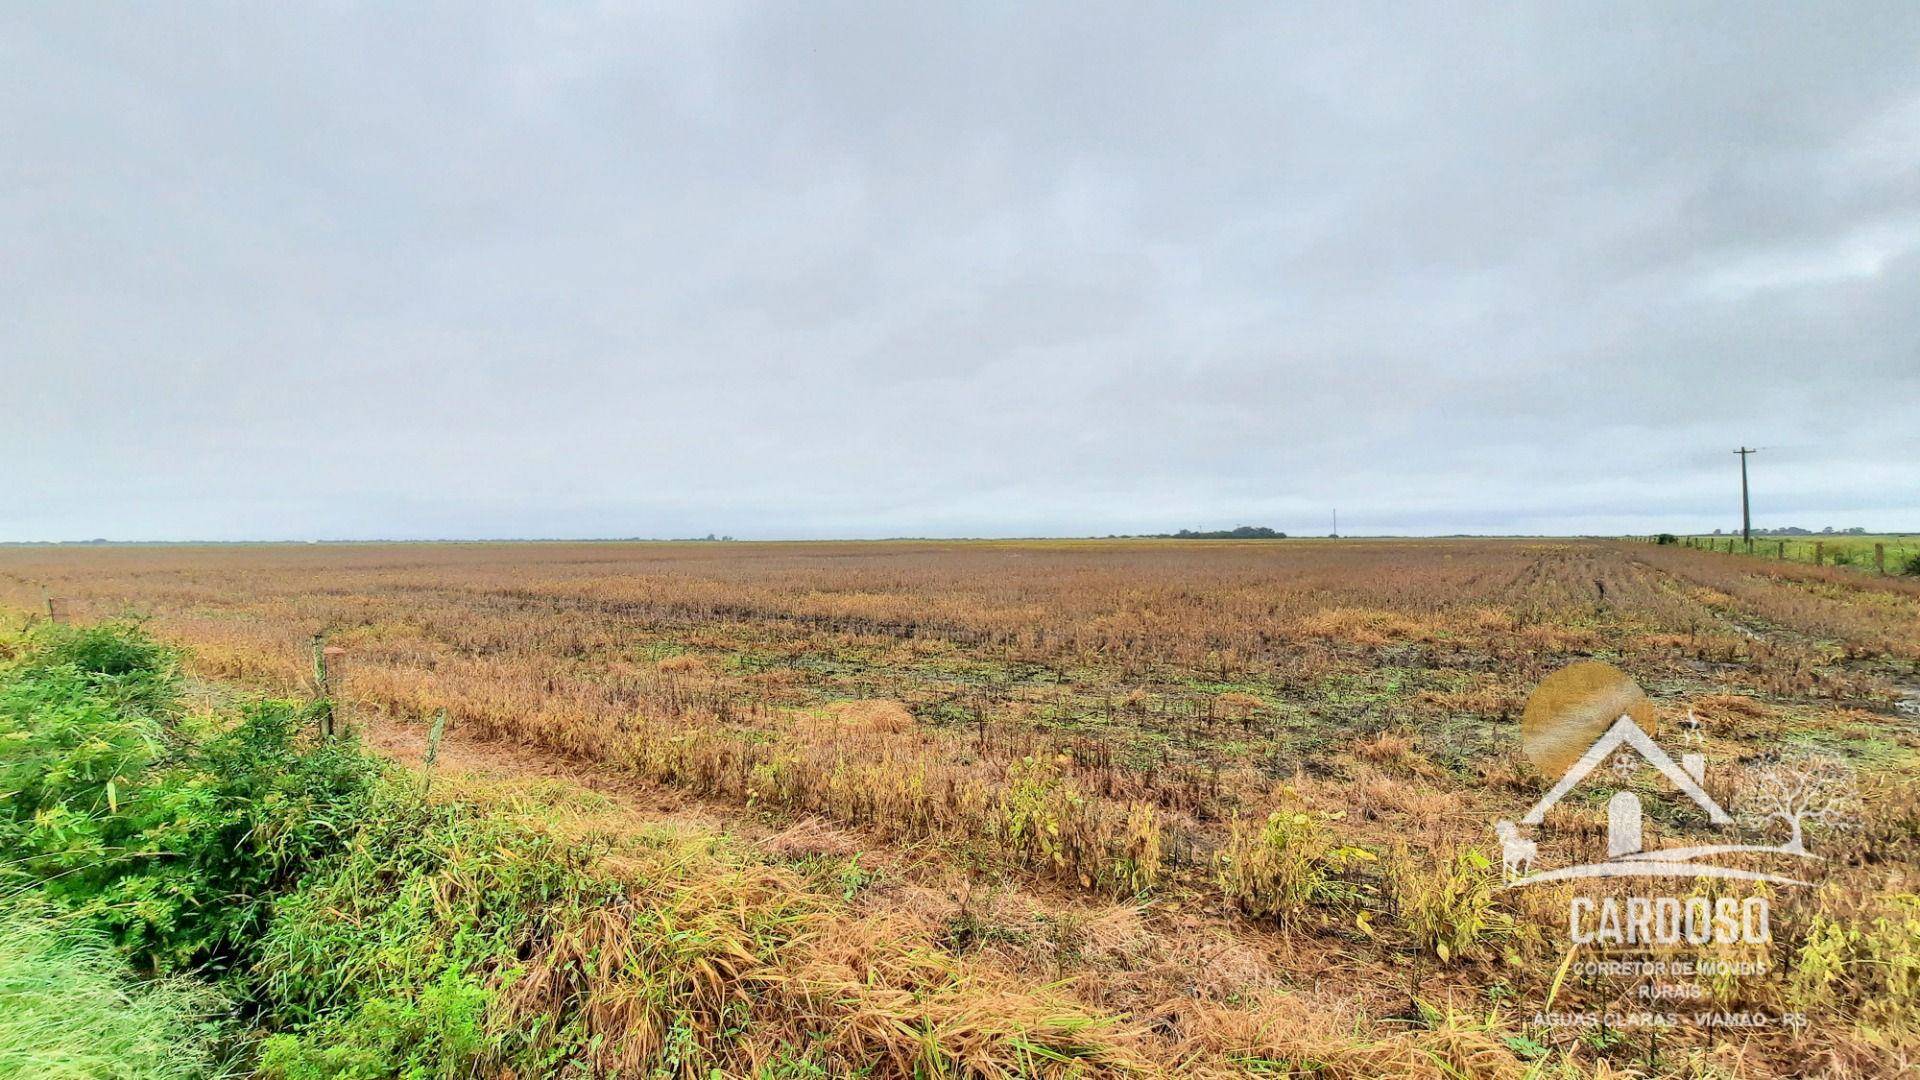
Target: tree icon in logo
{"type": "Point", "coordinates": [1808, 788]}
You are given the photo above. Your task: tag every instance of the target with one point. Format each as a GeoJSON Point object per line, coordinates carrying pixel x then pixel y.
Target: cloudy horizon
{"type": "Point", "coordinates": [864, 270]}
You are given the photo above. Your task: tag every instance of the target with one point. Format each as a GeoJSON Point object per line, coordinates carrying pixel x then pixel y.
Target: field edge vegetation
{"type": "Point", "coordinates": [223, 893]}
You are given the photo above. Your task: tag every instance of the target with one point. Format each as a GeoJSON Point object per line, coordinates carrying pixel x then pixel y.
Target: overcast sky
{"type": "Point", "coordinates": [967, 269]}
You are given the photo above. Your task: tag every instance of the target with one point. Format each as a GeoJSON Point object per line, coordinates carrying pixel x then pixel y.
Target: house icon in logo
{"type": "Point", "coordinates": [1623, 810]}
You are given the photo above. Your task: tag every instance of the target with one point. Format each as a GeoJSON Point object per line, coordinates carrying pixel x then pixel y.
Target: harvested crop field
{"type": "Point", "coordinates": [1234, 800]}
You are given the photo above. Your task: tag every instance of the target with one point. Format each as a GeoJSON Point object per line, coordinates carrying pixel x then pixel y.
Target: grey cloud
{"type": "Point", "coordinates": [844, 270]}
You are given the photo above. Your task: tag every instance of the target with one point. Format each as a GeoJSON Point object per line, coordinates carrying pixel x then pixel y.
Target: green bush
{"type": "Point", "coordinates": [370, 929]}
{"type": "Point", "coordinates": [171, 841]}
{"type": "Point", "coordinates": [110, 649]}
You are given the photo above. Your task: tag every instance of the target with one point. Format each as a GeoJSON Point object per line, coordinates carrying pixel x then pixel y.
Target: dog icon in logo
{"type": "Point", "coordinates": [1516, 852]}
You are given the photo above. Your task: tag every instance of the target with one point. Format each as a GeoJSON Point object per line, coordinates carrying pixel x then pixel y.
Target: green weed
{"type": "Point", "coordinates": [1280, 867]}
{"type": "Point", "coordinates": [70, 1008]}
{"type": "Point", "coordinates": [1445, 900]}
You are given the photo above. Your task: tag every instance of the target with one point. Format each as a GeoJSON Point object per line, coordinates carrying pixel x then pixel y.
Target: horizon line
{"type": "Point", "coordinates": [904, 538]}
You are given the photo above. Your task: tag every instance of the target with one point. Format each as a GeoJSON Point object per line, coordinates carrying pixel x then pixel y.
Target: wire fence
{"type": "Point", "coordinates": [1874, 554]}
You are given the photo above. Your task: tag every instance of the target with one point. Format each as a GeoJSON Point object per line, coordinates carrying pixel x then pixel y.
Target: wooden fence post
{"type": "Point", "coordinates": [57, 609]}
{"type": "Point", "coordinates": [325, 701]}
{"type": "Point", "coordinates": [1819, 552]}
{"type": "Point", "coordinates": [1783, 551]}
{"type": "Point", "coordinates": [434, 734]}
{"type": "Point", "coordinates": [1880, 558]}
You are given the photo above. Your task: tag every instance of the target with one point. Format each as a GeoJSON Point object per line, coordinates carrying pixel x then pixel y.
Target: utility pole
{"type": "Point", "coordinates": [1336, 523]}
{"type": "Point", "coordinates": [1746, 512]}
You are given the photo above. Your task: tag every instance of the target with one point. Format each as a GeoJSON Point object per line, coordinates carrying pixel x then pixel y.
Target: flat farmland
{"type": "Point", "coordinates": [1237, 797]}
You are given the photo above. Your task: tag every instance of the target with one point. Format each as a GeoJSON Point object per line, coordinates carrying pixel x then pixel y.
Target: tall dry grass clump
{"type": "Point", "coordinates": [676, 954]}
{"type": "Point", "coordinates": [1291, 1035]}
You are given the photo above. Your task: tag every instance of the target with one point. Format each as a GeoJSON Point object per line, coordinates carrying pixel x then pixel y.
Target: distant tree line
{"type": "Point", "coordinates": [1795, 530]}
{"type": "Point", "coordinates": [1240, 532]}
